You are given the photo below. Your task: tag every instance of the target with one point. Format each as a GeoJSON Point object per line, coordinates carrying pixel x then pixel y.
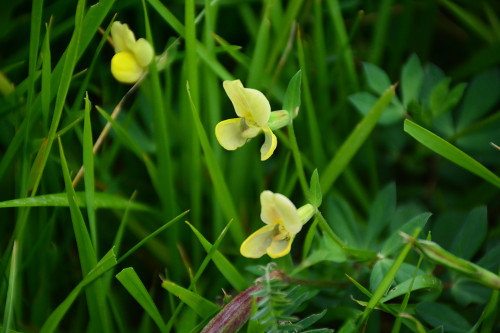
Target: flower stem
{"type": "Point", "coordinates": [326, 229]}
{"type": "Point", "coordinates": [298, 161]}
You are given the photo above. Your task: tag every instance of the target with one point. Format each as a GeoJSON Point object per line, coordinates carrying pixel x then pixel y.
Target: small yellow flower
{"type": "Point", "coordinates": [253, 110]}
{"type": "Point", "coordinates": [132, 57]}
{"type": "Point", "coordinates": [283, 221]}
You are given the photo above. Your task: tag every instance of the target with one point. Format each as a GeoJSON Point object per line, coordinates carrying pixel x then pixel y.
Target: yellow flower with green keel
{"type": "Point", "coordinates": [132, 57]}
{"type": "Point", "coordinates": [283, 221]}
{"type": "Point", "coordinates": [254, 112]}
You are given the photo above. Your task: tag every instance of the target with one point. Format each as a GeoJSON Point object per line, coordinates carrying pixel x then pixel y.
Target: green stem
{"type": "Point", "coordinates": [328, 230]}
{"type": "Point", "coordinates": [298, 161]}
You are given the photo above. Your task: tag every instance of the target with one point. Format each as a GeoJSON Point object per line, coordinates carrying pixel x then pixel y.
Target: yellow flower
{"type": "Point", "coordinates": [283, 221]}
{"type": "Point", "coordinates": [132, 56]}
{"type": "Point", "coordinates": [254, 111]}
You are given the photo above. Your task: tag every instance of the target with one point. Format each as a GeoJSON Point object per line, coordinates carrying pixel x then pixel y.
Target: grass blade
{"type": "Point", "coordinates": [9, 304]}
{"type": "Point", "coordinates": [450, 152]}
{"type": "Point", "coordinates": [386, 282]}
{"type": "Point", "coordinates": [200, 305]}
{"type": "Point", "coordinates": [352, 144]}
{"type": "Point", "coordinates": [106, 263]}
{"type": "Point", "coordinates": [226, 268]}
{"type": "Point", "coordinates": [131, 281]}
{"type": "Point", "coordinates": [88, 164]}
{"type": "Point", "coordinates": [101, 200]}
{"type": "Point", "coordinates": [219, 183]}
{"type": "Point", "coordinates": [95, 295]}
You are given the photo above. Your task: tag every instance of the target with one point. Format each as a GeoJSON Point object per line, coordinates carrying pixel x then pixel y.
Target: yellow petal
{"type": "Point", "coordinates": [280, 248]}
{"type": "Point", "coordinates": [125, 68]}
{"type": "Point", "coordinates": [255, 246]}
{"type": "Point", "coordinates": [143, 52]}
{"type": "Point", "coordinates": [248, 103]}
{"type": "Point", "coordinates": [122, 36]}
{"type": "Point", "coordinates": [228, 133]}
{"type": "Point", "coordinates": [259, 106]}
{"type": "Point", "coordinates": [269, 145]}
{"type": "Point", "coordinates": [234, 90]}
{"type": "Point", "coordinates": [277, 208]}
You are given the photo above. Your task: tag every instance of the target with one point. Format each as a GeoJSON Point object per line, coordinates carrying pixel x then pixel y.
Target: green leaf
{"type": "Point", "coordinates": [376, 78]}
{"type": "Point", "coordinates": [223, 265]}
{"type": "Point", "coordinates": [442, 100]}
{"type": "Point", "coordinates": [327, 250]}
{"type": "Point", "coordinates": [291, 102]}
{"type": "Point", "coordinates": [315, 196]}
{"type": "Point", "coordinates": [386, 282]}
{"type": "Point", "coordinates": [203, 307]}
{"type": "Point", "coordinates": [381, 212]}
{"type": "Point", "coordinates": [98, 309]}
{"type": "Point", "coordinates": [482, 94]}
{"type": "Point", "coordinates": [106, 263]}
{"type": "Point", "coordinates": [471, 235]}
{"type": "Point", "coordinates": [131, 281]}
{"type": "Point", "coordinates": [429, 283]}
{"type": "Point", "coordinates": [364, 102]}
{"type": "Point", "coordinates": [436, 314]}
{"type": "Point", "coordinates": [450, 152]}
{"type": "Point", "coordinates": [101, 200]}
{"type": "Point", "coordinates": [380, 269]}
{"type": "Point", "coordinates": [88, 164]}
{"type": "Point", "coordinates": [345, 224]}
{"type": "Point", "coordinates": [394, 242]}
{"type": "Point", "coordinates": [11, 290]}
{"type": "Point", "coordinates": [352, 144]}
{"type": "Point", "coordinates": [411, 80]}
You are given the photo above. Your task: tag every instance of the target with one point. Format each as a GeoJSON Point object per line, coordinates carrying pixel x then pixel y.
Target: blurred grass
{"type": "Point", "coordinates": [161, 152]}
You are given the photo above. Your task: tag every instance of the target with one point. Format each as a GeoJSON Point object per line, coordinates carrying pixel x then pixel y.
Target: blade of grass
{"type": "Point", "coordinates": [195, 180]}
{"type": "Point", "coordinates": [255, 72]}
{"type": "Point", "coordinates": [312, 120]}
{"type": "Point", "coordinates": [397, 324]}
{"type": "Point", "coordinates": [88, 164]}
{"type": "Point", "coordinates": [343, 46]}
{"type": "Point", "coordinates": [220, 186]}
{"type": "Point", "coordinates": [102, 200]}
{"type": "Point", "coordinates": [62, 91]}
{"type": "Point", "coordinates": [201, 269]}
{"type": "Point", "coordinates": [450, 152]}
{"type": "Point", "coordinates": [151, 235]}
{"type": "Point", "coordinates": [9, 303]}
{"type": "Point", "coordinates": [91, 22]}
{"type": "Point", "coordinates": [352, 144]}
{"type": "Point", "coordinates": [474, 23]}
{"type": "Point", "coordinates": [133, 284]}
{"type": "Point", "coordinates": [380, 31]}
{"type": "Point", "coordinates": [106, 263]}
{"type": "Point", "coordinates": [203, 307]}
{"type": "Point", "coordinates": [227, 269]}
{"type": "Point", "coordinates": [46, 74]}
{"type": "Point", "coordinates": [386, 282]}
{"type": "Point", "coordinates": [95, 294]}
{"type": "Point", "coordinates": [279, 41]}
{"type": "Point", "coordinates": [206, 56]}
{"type": "Point", "coordinates": [164, 175]}
{"type": "Point", "coordinates": [90, 70]}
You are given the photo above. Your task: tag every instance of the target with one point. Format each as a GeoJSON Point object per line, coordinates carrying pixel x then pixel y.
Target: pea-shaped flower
{"type": "Point", "coordinates": [283, 221]}
{"type": "Point", "coordinates": [254, 111]}
{"type": "Point", "coordinates": [132, 57]}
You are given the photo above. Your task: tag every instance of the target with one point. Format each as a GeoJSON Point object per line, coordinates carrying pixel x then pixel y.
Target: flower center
{"type": "Point", "coordinates": [249, 128]}
{"type": "Point", "coordinates": [280, 233]}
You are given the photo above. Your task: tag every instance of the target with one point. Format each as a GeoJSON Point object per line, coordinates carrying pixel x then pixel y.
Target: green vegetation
{"type": "Point", "coordinates": [120, 211]}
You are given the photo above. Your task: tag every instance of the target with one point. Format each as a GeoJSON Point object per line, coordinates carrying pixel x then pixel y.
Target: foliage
{"type": "Point", "coordinates": [382, 138]}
